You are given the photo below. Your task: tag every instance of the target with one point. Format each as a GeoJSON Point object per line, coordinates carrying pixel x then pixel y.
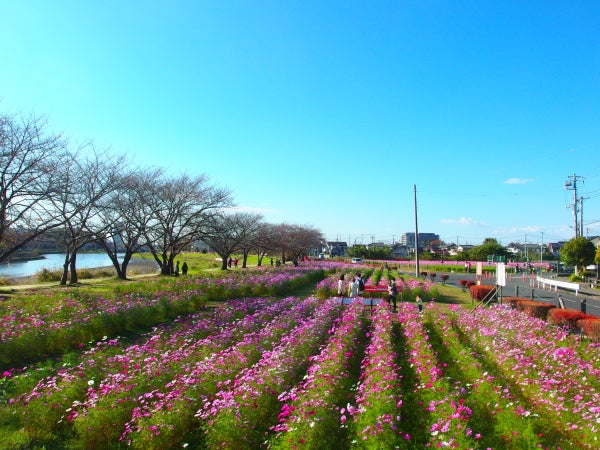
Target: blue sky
{"type": "Point", "coordinates": [328, 113]}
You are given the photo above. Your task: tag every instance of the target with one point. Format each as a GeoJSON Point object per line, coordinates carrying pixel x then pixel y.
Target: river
{"type": "Point", "coordinates": [53, 261]}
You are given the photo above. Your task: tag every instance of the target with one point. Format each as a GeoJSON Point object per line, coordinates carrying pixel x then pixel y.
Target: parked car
{"type": "Point", "coordinates": [560, 268]}
{"type": "Point", "coordinates": [356, 260]}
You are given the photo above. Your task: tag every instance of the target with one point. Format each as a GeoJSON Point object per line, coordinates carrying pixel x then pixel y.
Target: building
{"type": "Point", "coordinates": [425, 239]}
{"type": "Point", "coordinates": [400, 251]}
{"type": "Point", "coordinates": [555, 247]}
{"type": "Point", "coordinates": [336, 248]}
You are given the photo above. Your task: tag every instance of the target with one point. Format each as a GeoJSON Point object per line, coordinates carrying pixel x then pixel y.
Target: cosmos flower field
{"type": "Point", "coordinates": [288, 372]}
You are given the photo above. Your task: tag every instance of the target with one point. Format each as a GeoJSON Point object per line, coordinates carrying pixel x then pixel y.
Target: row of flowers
{"type": "Point", "coordinates": [557, 374]}
{"type": "Point", "coordinates": [52, 324]}
{"type": "Point", "coordinates": [260, 372]}
{"type": "Point", "coordinates": [313, 410]}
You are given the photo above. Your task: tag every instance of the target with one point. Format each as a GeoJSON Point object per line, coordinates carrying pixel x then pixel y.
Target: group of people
{"type": "Point", "coordinates": [357, 286]}
{"type": "Point", "coordinates": [184, 269]}
{"type": "Point", "coordinates": [232, 262]}
{"type": "Point", "coordinates": [354, 288]}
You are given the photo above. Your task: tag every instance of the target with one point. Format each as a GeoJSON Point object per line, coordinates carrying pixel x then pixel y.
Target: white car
{"type": "Point", "coordinates": [356, 260]}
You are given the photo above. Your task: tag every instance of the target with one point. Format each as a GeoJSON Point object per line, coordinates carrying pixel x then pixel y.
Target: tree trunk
{"type": "Point", "coordinates": [224, 259]}
{"type": "Point", "coordinates": [65, 273]}
{"type": "Point", "coordinates": [123, 274]}
{"type": "Point", "coordinates": [74, 279]}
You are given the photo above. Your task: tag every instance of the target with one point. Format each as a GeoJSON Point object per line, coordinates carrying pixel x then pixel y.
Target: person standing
{"type": "Point", "coordinates": [392, 292]}
{"type": "Point", "coordinates": [360, 282]}
{"type": "Point", "coordinates": [340, 286]}
{"type": "Point", "coordinates": [184, 268]}
{"type": "Point", "coordinates": [419, 301]}
{"type": "Point", "coordinates": [353, 288]}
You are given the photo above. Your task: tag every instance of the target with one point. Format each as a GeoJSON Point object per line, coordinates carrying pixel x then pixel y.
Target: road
{"type": "Point", "coordinates": [517, 286]}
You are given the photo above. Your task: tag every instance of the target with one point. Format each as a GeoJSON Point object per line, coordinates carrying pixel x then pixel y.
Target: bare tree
{"type": "Point", "coordinates": [293, 241]}
{"type": "Point", "coordinates": [264, 242]}
{"type": "Point", "coordinates": [89, 178]}
{"type": "Point", "coordinates": [248, 227]}
{"type": "Point", "coordinates": [29, 161]}
{"type": "Point", "coordinates": [125, 218]}
{"type": "Point", "coordinates": [229, 233]}
{"type": "Point", "coordinates": [179, 209]}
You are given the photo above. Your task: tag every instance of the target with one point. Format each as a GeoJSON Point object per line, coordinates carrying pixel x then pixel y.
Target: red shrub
{"type": "Point", "coordinates": [535, 309]}
{"type": "Point", "coordinates": [567, 317]}
{"type": "Point", "coordinates": [512, 301]}
{"type": "Point", "coordinates": [591, 328]}
{"type": "Point", "coordinates": [480, 292]}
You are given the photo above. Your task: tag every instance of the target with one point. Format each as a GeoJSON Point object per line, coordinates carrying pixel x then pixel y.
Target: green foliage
{"type": "Point", "coordinates": [575, 278]}
{"type": "Point", "coordinates": [361, 251]}
{"type": "Point", "coordinates": [578, 252]}
{"type": "Point", "coordinates": [489, 247]}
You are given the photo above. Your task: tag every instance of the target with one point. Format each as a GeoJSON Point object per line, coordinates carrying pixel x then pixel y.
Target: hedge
{"type": "Point", "coordinates": [588, 325]}
{"type": "Point", "coordinates": [480, 292]}
{"type": "Point", "coordinates": [590, 328]}
{"type": "Point", "coordinates": [512, 301]}
{"type": "Point", "coordinates": [567, 317]}
{"type": "Point", "coordinates": [535, 309]}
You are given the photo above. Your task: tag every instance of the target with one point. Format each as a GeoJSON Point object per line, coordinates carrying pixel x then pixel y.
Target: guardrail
{"type": "Point", "coordinates": [558, 284]}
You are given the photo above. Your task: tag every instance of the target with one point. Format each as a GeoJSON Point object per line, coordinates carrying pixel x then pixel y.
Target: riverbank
{"type": "Point", "coordinates": [138, 267]}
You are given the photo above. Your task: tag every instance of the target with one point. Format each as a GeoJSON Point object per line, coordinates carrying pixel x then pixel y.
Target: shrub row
{"type": "Point", "coordinates": [577, 321]}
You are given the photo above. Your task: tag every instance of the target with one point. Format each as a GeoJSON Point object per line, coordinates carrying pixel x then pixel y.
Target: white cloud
{"type": "Point", "coordinates": [532, 229]}
{"type": "Point", "coordinates": [466, 221]}
{"type": "Point", "coordinates": [518, 180]}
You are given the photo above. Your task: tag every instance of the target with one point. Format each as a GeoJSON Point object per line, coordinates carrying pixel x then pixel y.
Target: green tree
{"type": "Point", "coordinates": [578, 252]}
{"type": "Point", "coordinates": [489, 247]}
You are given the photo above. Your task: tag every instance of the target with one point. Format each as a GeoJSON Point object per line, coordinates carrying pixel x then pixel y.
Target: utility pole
{"type": "Point", "coordinates": [417, 269]}
{"type": "Point", "coordinates": [571, 184]}
{"type": "Point", "coordinates": [542, 251]}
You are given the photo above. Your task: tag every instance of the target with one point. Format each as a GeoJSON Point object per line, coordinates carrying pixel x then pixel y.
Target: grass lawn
{"type": "Point", "coordinates": [197, 262]}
